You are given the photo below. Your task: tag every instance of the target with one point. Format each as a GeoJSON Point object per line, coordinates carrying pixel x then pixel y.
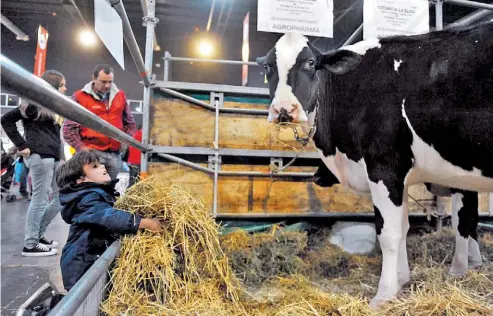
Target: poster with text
{"type": "Point", "coordinates": [308, 17]}
{"type": "Point", "coordinates": [383, 18]}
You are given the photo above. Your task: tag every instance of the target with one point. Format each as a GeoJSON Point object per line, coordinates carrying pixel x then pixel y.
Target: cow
{"type": "Point", "coordinates": [388, 113]}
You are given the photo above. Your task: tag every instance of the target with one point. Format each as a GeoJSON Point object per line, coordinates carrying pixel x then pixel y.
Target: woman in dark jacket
{"type": "Point", "coordinates": [41, 149]}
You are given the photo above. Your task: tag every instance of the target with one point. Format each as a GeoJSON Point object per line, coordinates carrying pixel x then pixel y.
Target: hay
{"type": "Point", "coordinates": [169, 272]}
{"type": "Point", "coordinates": [260, 257]}
{"type": "Point", "coordinates": [188, 270]}
{"type": "Point", "coordinates": [337, 276]}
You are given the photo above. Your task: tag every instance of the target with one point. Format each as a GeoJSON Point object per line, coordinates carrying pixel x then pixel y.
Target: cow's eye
{"type": "Point", "coordinates": [311, 63]}
{"type": "Point", "coordinates": [266, 67]}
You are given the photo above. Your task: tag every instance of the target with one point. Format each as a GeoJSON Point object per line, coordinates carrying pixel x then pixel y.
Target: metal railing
{"type": "Point", "coordinates": [17, 80]}
{"type": "Point", "coordinates": [12, 101]}
{"type": "Point", "coordinates": [87, 294]}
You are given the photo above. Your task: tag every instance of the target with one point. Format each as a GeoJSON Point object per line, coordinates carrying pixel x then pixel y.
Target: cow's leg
{"type": "Point", "coordinates": [387, 196]}
{"type": "Point", "coordinates": [474, 255]}
{"type": "Point", "coordinates": [404, 272]}
{"type": "Point", "coordinates": [464, 222]}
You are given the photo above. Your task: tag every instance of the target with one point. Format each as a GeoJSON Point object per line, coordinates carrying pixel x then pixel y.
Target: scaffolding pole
{"type": "Point", "coordinates": [129, 37]}
{"type": "Point", "coordinates": [19, 81]}
{"type": "Point", "coordinates": [151, 22]}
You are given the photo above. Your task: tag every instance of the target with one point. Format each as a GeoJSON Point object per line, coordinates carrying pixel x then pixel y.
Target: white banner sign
{"type": "Point", "coordinates": [308, 17]}
{"type": "Point", "coordinates": [395, 17]}
{"type": "Point", "coordinates": [108, 26]}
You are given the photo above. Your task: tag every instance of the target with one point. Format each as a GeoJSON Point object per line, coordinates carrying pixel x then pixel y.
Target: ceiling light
{"type": "Point", "coordinates": [87, 38]}
{"type": "Point", "coordinates": [205, 48]}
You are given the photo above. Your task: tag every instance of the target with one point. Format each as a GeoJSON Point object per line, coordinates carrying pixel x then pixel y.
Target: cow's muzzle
{"type": "Point", "coordinates": [284, 116]}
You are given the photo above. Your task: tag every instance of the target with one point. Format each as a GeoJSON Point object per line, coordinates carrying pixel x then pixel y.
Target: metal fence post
{"type": "Point", "coordinates": [167, 65]}
{"type": "Point", "coordinates": [439, 14]}
{"type": "Point", "coordinates": [151, 22]}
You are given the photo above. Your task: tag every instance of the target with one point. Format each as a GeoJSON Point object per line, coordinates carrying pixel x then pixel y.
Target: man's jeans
{"type": "Point", "coordinates": [40, 213]}
{"type": "Point", "coordinates": [112, 162]}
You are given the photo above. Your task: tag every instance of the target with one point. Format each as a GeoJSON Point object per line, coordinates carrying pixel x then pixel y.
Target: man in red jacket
{"type": "Point", "coordinates": [103, 98]}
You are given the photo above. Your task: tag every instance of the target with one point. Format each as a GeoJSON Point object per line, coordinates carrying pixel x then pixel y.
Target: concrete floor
{"type": "Point", "coordinates": [22, 276]}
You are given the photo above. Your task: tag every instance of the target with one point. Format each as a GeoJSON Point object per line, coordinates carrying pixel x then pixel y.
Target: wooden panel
{"type": "Point", "coordinates": [178, 123]}
{"type": "Point", "coordinates": [254, 194]}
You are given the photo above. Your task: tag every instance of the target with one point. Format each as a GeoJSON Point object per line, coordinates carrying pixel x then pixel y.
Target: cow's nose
{"type": "Point", "coordinates": [284, 116]}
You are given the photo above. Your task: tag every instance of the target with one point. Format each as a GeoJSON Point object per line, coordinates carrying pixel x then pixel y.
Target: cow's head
{"type": "Point", "coordinates": [291, 68]}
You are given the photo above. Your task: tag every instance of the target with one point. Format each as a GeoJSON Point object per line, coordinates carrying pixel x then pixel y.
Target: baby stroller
{"type": "Point", "coordinates": [8, 166]}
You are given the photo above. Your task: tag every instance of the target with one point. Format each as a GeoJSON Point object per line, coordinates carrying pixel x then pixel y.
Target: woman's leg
{"type": "Point", "coordinates": [54, 207]}
{"type": "Point", "coordinates": [41, 174]}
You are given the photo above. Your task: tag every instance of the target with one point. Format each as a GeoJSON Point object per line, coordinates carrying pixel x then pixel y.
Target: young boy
{"type": "Point", "coordinates": [87, 196]}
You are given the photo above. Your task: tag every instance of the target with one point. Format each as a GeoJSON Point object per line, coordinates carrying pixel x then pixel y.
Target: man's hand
{"type": "Point", "coordinates": [151, 224]}
{"type": "Point", "coordinates": [26, 152]}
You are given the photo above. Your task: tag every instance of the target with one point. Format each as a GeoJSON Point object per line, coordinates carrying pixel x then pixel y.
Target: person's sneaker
{"type": "Point", "coordinates": [48, 242]}
{"type": "Point", "coordinates": [39, 251]}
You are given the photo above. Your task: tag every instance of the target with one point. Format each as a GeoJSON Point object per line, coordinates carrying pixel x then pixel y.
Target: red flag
{"type": "Point", "coordinates": [245, 49]}
{"type": "Point", "coordinates": [40, 59]}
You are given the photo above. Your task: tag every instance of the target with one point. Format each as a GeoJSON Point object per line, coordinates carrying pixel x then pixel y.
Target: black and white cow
{"type": "Point", "coordinates": [391, 113]}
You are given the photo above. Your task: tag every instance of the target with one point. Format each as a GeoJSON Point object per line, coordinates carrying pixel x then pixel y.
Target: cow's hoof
{"type": "Point", "coordinates": [377, 301]}
{"type": "Point", "coordinates": [475, 264]}
{"type": "Point", "coordinates": [457, 271]}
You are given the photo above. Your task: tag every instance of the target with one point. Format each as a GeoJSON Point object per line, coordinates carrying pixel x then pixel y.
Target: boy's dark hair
{"type": "Point", "coordinates": [104, 67]}
{"type": "Point", "coordinates": [72, 170]}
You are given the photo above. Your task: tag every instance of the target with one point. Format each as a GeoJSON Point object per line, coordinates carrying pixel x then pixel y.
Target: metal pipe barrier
{"type": "Point", "coordinates": [129, 37]}
{"type": "Point", "coordinates": [471, 4]}
{"type": "Point", "coordinates": [354, 36]}
{"type": "Point", "coordinates": [196, 166]}
{"type": "Point", "coordinates": [20, 35]}
{"type": "Point", "coordinates": [211, 107]}
{"type": "Point", "coordinates": [216, 165]}
{"type": "Point", "coordinates": [86, 295]}
{"type": "Point", "coordinates": [471, 18]}
{"type": "Point", "coordinates": [17, 80]}
{"type": "Point", "coordinates": [216, 61]}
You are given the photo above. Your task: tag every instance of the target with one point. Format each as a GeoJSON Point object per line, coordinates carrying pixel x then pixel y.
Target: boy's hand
{"type": "Point", "coordinates": [151, 224]}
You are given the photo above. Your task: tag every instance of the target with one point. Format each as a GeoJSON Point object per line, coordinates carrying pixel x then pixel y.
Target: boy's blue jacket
{"type": "Point", "coordinates": [94, 225]}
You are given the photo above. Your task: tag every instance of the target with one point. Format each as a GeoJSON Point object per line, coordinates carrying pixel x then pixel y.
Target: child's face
{"type": "Point", "coordinates": [95, 172]}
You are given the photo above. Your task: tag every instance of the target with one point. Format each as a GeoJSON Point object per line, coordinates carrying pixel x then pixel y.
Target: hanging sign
{"type": "Point", "coordinates": [308, 17]}
{"type": "Point", "coordinates": [383, 18]}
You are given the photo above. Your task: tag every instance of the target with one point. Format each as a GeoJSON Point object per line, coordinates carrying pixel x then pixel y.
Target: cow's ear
{"type": "Point", "coordinates": [340, 61]}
